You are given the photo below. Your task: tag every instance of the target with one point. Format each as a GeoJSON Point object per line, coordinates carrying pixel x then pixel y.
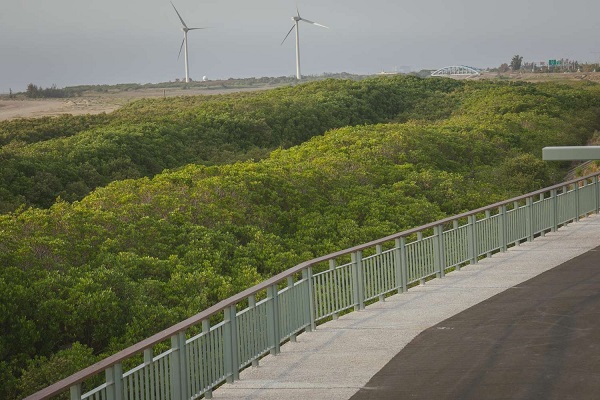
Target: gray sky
{"type": "Point", "coordinates": [72, 42]}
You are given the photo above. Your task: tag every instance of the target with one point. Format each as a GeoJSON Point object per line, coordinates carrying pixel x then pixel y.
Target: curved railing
{"type": "Point", "coordinates": [190, 359]}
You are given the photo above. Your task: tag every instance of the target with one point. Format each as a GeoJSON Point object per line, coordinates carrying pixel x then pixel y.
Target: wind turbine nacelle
{"type": "Point", "coordinates": [296, 19]}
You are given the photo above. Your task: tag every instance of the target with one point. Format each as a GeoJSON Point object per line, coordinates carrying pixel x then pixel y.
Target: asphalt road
{"type": "Point", "coordinates": [537, 340]}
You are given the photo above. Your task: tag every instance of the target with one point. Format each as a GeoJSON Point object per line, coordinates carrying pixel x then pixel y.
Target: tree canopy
{"type": "Point", "coordinates": [184, 202]}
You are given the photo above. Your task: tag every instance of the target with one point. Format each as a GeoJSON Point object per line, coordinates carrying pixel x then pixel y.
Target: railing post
{"type": "Point", "coordinates": [148, 358]}
{"type": "Point", "coordinates": [310, 302]}
{"type": "Point", "coordinates": [273, 318]}
{"type": "Point", "coordinates": [597, 195]}
{"type": "Point", "coordinates": [399, 264]}
{"type": "Point", "coordinates": [502, 228]}
{"type": "Point", "coordinates": [110, 383]}
{"type": "Point", "coordinates": [234, 343]}
{"type": "Point", "coordinates": [205, 373]}
{"type": "Point", "coordinates": [554, 202]}
{"type": "Point", "coordinates": [359, 298]}
{"type": "Point", "coordinates": [114, 382]}
{"type": "Point", "coordinates": [530, 222]}
{"type": "Point", "coordinates": [227, 348]}
{"type": "Point", "coordinates": [471, 233]}
{"type": "Point", "coordinates": [76, 392]}
{"type": "Point", "coordinates": [577, 202]}
{"type": "Point", "coordinates": [177, 367]}
{"type": "Point", "coordinates": [118, 379]}
{"type": "Point", "coordinates": [439, 255]}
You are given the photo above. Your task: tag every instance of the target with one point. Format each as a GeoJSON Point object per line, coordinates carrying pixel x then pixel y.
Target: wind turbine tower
{"type": "Point", "coordinates": [184, 43]}
{"type": "Point", "coordinates": [297, 18]}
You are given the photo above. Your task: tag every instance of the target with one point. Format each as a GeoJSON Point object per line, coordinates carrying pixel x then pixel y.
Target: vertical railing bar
{"type": "Point", "coordinates": [336, 285]}
{"type": "Point", "coordinates": [472, 240]}
{"type": "Point", "coordinates": [291, 309]}
{"type": "Point", "coordinates": [529, 219]}
{"type": "Point", "coordinates": [307, 274]}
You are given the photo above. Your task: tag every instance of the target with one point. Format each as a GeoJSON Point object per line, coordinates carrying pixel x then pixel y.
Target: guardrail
{"type": "Point", "coordinates": [189, 360]}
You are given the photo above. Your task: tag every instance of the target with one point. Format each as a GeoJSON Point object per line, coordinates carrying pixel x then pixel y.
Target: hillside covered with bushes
{"type": "Point", "coordinates": [167, 206]}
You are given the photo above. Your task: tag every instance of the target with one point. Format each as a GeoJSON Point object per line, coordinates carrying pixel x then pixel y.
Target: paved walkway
{"type": "Point", "coordinates": [367, 354]}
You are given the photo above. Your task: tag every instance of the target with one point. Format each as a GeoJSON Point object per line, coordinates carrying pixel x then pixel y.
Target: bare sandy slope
{"type": "Point", "coordinates": [96, 103]}
{"type": "Point", "coordinates": [11, 109]}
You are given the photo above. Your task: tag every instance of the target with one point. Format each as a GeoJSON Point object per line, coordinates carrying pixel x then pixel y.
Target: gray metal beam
{"type": "Point", "coordinates": [571, 153]}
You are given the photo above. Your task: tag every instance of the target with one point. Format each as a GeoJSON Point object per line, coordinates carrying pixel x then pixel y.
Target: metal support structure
{"type": "Point", "coordinates": [456, 70]}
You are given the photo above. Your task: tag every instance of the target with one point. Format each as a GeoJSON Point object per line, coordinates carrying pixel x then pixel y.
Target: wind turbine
{"type": "Point", "coordinates": [297, 18]}
{"type": "Point", "coordinates": [185, 30]}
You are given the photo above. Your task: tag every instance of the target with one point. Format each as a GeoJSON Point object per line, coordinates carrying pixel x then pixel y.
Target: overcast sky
{"type": "Point", "coordinates": [72, 42]}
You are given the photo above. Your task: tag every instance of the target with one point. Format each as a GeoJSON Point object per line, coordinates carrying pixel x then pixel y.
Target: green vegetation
{"type": "Point", "coordinates": [338, 163]}
{"type": "Point", "coordinates": [78, 154]}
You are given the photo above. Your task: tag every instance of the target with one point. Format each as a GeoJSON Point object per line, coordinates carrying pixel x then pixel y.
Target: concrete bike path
{"type": "Point", "coordinates": [341, 357]}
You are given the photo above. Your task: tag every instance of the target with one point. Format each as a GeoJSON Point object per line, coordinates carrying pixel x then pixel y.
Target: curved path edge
{"type": "Point", "coordinates": [341, 357]}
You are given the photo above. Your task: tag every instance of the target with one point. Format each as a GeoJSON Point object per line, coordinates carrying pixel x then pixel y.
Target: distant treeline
{"type": "Point", "coordinates": [34, 91]}
{"type": "Point", "coordinates": [257, 183]}
{"type": "Point", "coordinates": [37, 92]}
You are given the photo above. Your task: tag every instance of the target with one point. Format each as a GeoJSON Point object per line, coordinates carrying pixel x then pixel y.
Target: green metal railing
{"type": "Point", "coordinates": [196, 356]}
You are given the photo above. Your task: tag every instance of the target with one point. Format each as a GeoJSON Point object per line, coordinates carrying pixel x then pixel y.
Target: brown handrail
{"type": "Point", "coordinates": [108, 362]}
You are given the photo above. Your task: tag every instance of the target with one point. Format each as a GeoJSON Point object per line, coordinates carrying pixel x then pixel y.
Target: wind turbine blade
{"type": "Point", "coordinates": [181, 19]}
{"type": "Point", "coordinates": [181, 48]}
{"type": "Point", "coordinates": [314, 23]}
{"type": "Point", "coordinates": [192, 29]}
{"type": "Point", "coordinates": [288, 34]}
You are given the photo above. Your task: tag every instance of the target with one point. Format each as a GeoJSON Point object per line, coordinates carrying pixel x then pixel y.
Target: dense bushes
{"type": "Point", "coordinates": [70, 156]}
{"type": "Point", "coordinates": [84, 279]}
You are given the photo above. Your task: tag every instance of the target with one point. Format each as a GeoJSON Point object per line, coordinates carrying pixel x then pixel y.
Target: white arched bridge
{"type": "Point", "coordinates": [456, 70]}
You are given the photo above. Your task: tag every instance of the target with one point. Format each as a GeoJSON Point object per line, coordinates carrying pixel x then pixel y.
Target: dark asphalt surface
{"type": "Point", "coordinates": [537, 340]}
